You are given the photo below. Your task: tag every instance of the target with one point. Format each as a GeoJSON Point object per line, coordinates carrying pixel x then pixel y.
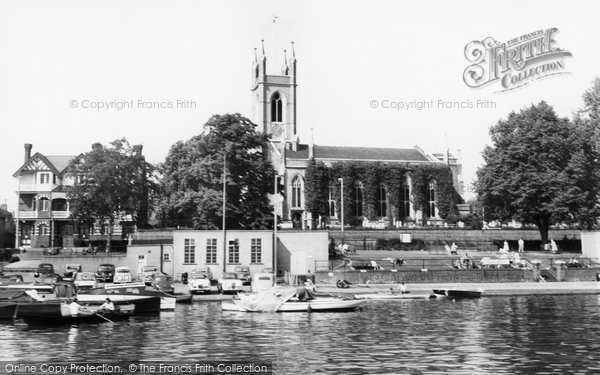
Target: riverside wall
{"type": "Point", "coordinates": [472, 240]}
{"type": "Point", "coordinates": [446, 276]}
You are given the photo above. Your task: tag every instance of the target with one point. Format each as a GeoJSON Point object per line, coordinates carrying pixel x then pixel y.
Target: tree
{"type": "Point", "coordinates": [538, 171]}
{"type": "Point", "coordinates": [316, 189]}
{"type": "Point", "coordinates": [192, 183]}
{"type": "Point", "coordinates": [112, 182]}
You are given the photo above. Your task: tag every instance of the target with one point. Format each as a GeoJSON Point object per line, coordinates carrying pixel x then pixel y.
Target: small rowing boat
{"type": "Point", "coordinates": [87, 314]}
{"type": "Point", "coordinates": [386, 296]}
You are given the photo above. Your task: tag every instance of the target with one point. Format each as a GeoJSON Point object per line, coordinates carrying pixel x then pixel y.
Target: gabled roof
{"type": "Point", "coordinates": [359, 153]}
{"type": "Point", "coordinates": [57, 164]}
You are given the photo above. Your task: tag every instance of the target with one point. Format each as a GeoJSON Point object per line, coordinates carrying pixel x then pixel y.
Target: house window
{"type": "Point", "coordinates": [358, 199]}
{"type": "Point", "coordinates": [405, 199]}
{"type": "Point", "coordinates": [256, 250]}
{"type": "Point", "coordinates": [234, 251]}
{"type": "Point", "coordinates": [189, 251]}
{"type": "Point", "coordinates": [166, 257]}
{"type": "Point", "coordinates": [44, 178]}
{"type": "Point", "coordinates": [43, 230]}
{"type": "Point", "coordinates": [80, 179]}
{"type": "Point", "coordinates": [297, 192]}
{"type": "Point", "coordinates": [382, 202]}
{"type": "Point", "coordinates": [44, 204]}
{"type": "Point", "coordinates": [211, 251]}
{"type": "Point", "coordinates": [431, 200]}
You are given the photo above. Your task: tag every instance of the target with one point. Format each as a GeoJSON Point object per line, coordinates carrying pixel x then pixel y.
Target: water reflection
{"type": "Point", "coordinates": [488, 335]}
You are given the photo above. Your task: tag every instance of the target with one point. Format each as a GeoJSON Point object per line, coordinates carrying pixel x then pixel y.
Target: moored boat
{"type": "Point", "coordinates": [8, 310]}
{"type": "Point", "coordinates": [385, 296]}
{"type": "Point", "coordinates": [145, 299]}
{"type": "Point", "coordinates": [458, 293]}
{"type": "Point", "coordinates": [288, 301]}
{"type": "Point", "coordinates": [87, 314]}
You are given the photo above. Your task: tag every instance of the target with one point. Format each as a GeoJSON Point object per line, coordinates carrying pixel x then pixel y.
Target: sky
{"type": "Point", "coordinates": [58, 59]}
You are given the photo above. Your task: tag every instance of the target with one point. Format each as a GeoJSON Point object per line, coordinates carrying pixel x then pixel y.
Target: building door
{"type": "Point", "coordinates": [141, 263]}
{"type": "Point", "coordinates": [297, 220]}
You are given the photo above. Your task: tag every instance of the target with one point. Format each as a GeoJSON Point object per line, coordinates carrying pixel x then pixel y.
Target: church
{"type": "Point", "coordinates": [274, 105]}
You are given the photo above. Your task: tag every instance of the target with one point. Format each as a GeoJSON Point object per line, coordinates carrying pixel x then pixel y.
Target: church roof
{"type": "Point", "coordinates": [359, 153]}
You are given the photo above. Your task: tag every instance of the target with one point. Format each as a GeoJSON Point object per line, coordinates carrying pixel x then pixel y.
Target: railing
{"type": "Point", "coordinates": [37, 187]}
{"type": "Point", "coordinates": [28, 214]}
{"type": "Point", "coordinates": [61, 214]}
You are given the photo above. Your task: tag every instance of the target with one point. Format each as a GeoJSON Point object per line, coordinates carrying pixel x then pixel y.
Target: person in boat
{"type": "Point", "coordinates": [75, 307]}
{"type": "Point", "coordinates": [107, 306]}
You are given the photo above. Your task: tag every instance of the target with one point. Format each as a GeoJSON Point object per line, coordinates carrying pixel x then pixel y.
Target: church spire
{"type": "Point", "coordinates": [262, 41]}
{"type": "Point", "coordinates": [255, 56]}
{"type": "Point", "coordinates": [285, 70]}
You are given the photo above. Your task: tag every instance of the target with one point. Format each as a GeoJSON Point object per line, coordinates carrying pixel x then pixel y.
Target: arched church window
{"type": "Point", "coordinates": [276, 108]}
{"type": "Point", "coordinates": [431, 200]}
{"type": "Point", "coordinates": [256, 72]}
{"type": "Point", "coordinates": [358, 199]}
{"type": "Point", "coordinates": [297, 187]}
{"type": "Point", "coordinates": [381, 208]}
{"type": "Point", "coordinates": [331, 201]}
{"type": "Point", "coordinates": [405, 198]}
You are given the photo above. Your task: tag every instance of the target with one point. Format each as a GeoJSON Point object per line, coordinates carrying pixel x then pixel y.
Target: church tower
{"type": "Point", "coordinates": [274, 98]}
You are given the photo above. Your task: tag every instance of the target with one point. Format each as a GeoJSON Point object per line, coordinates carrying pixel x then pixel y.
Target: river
{"type": "Point", "coordinates": [525, 334]}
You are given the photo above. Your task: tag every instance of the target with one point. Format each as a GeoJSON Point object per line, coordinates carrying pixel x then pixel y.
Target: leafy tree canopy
{"type": "Point", "coordinates": [540, 170]}
{"type": "Point", "coordinates": [111, 182]}
{"type": "Point", "coordinates": [191, 188]}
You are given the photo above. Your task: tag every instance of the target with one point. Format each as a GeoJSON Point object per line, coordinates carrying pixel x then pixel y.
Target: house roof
{"type": "Point", "coordinates": [56, 163]}
{"type": "Point", "coordinates": [60, 162]}
{"type": "Point", "coordinates": [359, 153]}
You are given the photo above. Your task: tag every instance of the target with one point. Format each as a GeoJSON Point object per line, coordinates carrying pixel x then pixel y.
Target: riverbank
{"type": "Point", "coordinates": [489, 289]}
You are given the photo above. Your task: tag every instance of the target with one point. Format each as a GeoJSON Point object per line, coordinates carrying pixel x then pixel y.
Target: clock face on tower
{"type": "Point", "coordinates": [276, 130]}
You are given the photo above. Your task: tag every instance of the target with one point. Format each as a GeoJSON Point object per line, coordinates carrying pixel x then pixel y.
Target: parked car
{"type": "Point", "coordinates": [122, 275]}
{"type": "Point", "coordinates": [85, 280]}
{"type": "Point", "coordinates": [105, 273]}
{"type": "Point", "coordinates": [262, 281]}
{"type": "Point", "coordinates": [200, 280]}
{"type": "Point", "coordinates": [229, 282]}
{"type": "Point", "coordinates": [244, 274]}
{"type": "Point", "coordinates": [148, 273]}
{"type": "Point", "coordinates": [71, 270]}
{"type": "Point", "coordinates": [163, 282]}
{"type": "Point", "coordinates": [45, 269]}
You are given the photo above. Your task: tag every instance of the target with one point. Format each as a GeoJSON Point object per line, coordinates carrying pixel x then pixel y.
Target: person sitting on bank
{"type": "Point", "coordinates": [402, 288]}
{"type": "Point", "coordinates": [108, 305]}
{"type": "Point", "coordinates": [454, 249]}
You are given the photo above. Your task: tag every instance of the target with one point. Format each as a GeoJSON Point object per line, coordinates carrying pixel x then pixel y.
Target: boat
{"type": "Point", "coordinates": [146, 300]}
{"type": "Point", "coordinates": [388, 295]}
{"type": "Point", "coordinates": [87, 314]}
{"type": "Point", "coordinates": [458, 293]}
{"type": "Point", "coordinates": [8, 310]}
{"type": "Point", "coordinates": [288, 301]}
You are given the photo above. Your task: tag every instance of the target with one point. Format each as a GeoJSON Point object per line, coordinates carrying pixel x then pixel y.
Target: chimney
{"type": "Point", "coordinates": [27, 151]}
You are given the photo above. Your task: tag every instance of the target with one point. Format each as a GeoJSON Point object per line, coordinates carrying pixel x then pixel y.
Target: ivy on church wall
{"type": "Point", "coordinates": [372, 176]}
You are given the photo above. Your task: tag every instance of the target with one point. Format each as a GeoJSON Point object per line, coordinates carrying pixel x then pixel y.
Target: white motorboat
{"type": "Point", "coordinates": [288, 302]}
